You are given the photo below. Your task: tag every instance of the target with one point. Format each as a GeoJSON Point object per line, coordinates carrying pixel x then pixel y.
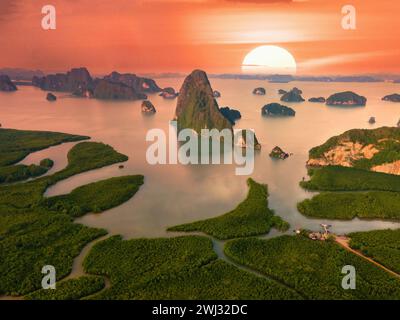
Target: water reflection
{"type": "Point", "coordinates": [175, 194]}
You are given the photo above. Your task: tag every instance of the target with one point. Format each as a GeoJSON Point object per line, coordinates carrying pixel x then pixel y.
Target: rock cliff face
{"type": "Point", "coordinates": [347, 98]}
{"type": "Point", "coordinates": [196, 107]}
{"type": "Point", "coordinates": [77, 81]}
{"type": "Point", "coordinates": [104, 89]}
{"type": "Point", "coordinates": [374, 149]}
{"type": "Point", "coordinates": [141, 85]}
{"type": "Point", "coordinates": [276, 109]}
{"type": "Point", "coordinates": [344, 154]}
{"type": "Point", "coordinates": [293, 95]}
{"type": "Point", "coordinates": [6, 84]}
{"type": "Point", "coordinates": [392, 97]}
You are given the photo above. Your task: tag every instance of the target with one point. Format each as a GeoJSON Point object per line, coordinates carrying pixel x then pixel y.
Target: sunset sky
{"type": "Point", "coordinates": [179, 35]}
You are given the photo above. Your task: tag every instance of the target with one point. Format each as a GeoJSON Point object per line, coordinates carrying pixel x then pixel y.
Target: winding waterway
{"type": "Point", "coordinates": [175, 194]}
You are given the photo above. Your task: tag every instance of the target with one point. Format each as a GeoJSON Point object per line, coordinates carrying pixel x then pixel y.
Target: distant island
{"type": "Point", "coordinates": [6, 84]}
{"type": "Point", "coordinates": [293, 95]}
{"type": "Point", "coordinates": [259, 91]}
{"type": "Point", "coordinates": [169, 93]}
{"type": "Point", "coordinates": [278, 78]}
{"type": "Point", "coordinates": [114, 86]}
{"type": "Point", "coordinates": [347, 98]}
{"type": "Point", "coordinates": [231, 114]}
{"type": "Point", "coordinates": [317, 99]}
{"type": "Point", "coordinates": [276, 109]}
{"type": "Point", "coordinates": [392, 97]}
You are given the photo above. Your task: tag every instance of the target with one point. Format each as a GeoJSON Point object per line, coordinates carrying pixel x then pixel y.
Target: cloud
{"type": "Point", "coordinates": [344, 58]}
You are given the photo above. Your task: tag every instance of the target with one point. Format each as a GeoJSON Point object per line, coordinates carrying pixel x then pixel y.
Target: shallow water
{"type": "Point", "coordinates": [175, 194]}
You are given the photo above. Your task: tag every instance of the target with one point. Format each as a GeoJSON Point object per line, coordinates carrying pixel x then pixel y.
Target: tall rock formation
{"type": "Point", "coordinates": [196, 107]}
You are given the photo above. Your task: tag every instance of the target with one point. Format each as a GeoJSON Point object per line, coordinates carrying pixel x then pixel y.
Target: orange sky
{"type": "Point", "coordinates": [215, 35]}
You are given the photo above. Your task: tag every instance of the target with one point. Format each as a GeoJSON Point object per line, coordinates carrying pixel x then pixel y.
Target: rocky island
{"type": "Point", "coordinates": [347, 98]}
{"type": "Point", "coordinates": [197, 108]}
{"type": "Point", "coordinates": [317, 99]}
{"type": "Point", "coordinates": [278, 153]}
{"type": "Point", "coordinates": [231, 114]}
{"type": "Point", "coordinates": [276, 109]}
{"type": "Point", "coordinates": [217, 94]}
{"type": "Point", "coordinates": [6, 84]}
{"type": "Point", "coordinates": [148, 107]}
{"type": "Point", "coordinates": [168, 93]}
{"type": "Point", "coordinates": [281, 91]}
{"type": "Point", "coordinates": [77, 81]}
{"type": "Point", "coordinates": [395, 97]}
{"type": "Point", "coordinates": [108, 90]}
{"type": "Point", "coordinates": [114, 86]}
{"type": "Point", "coordinates": [372, 120]}
{"type": "Point", "coordinates": [139, 84]}
{"type": "Point", "coordinates": [293, 95]}
{"type": "Point", "coordinates": [259, 91]}
{"type": "Point", "coordinates": [51, 97]}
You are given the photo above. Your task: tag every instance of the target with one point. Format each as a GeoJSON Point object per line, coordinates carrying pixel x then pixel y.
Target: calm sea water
{"type": "Point", "coordinates": [175, 194]}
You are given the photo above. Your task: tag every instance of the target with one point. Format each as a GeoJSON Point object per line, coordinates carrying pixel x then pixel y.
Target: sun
{"type": "Point", "coordinates": [269, 60]}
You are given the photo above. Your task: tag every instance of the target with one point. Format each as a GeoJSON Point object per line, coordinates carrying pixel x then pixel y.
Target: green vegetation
{"type": "Point", "coordinates": [20, 172]}
{"type": "Point", "coordinates": [381, 245]}
{"type": "Point", "coordinates": [250, 217]}
{"type": "Point", "coordinates": [47, 163]}
{"type": "Point", "coordinates": [336, 178]}
{"type": "Point", "coordinates": [96, 197]}
{"type": "Point", "coordinates": [348, 205]}
{"type": "Point", "coordinates": [17, 144]}
{"type": "Point", "coordinates": [313, 268]}
{"type": "Point", "coordinates": [359, 192]}
{"type": "Point", "coordinates": [175, 268]}
{"type": "Point", "coordinates": [33, 230]}
{"type": "Point", "coordinates": [87, 156]}
{"type": "Point", "coordinates": [82, 157]}
{"type": "Point", "coordinates": [384, 138]}
{"type": "Point", "coordinates": [72, 289]}
{"type": "Point", "coordinates": [32, 240]}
